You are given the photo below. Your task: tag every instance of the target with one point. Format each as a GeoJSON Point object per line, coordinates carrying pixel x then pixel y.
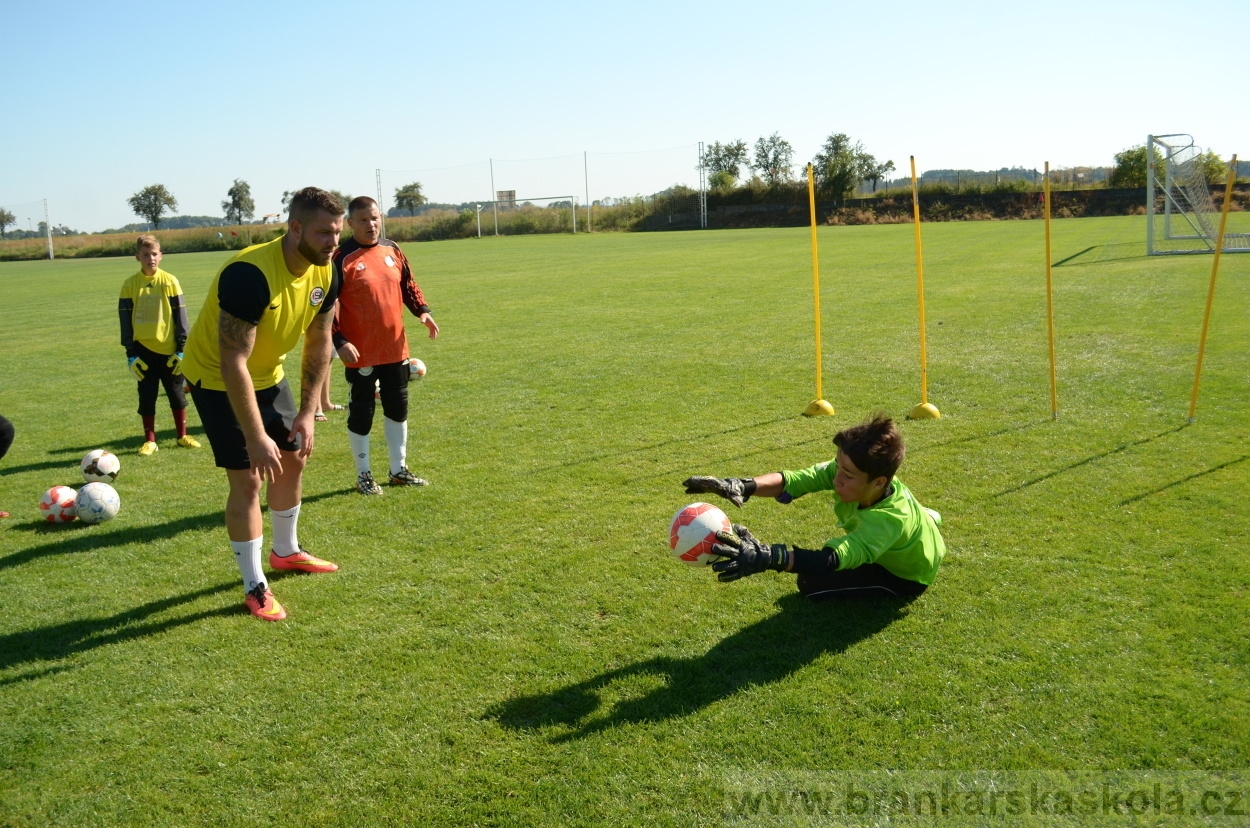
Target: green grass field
{"type": "Point", "coordinates": [515, 646]}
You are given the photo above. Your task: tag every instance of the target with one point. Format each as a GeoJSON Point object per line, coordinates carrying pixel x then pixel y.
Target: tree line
{"type": "Point", "coordinates": [839, 167]}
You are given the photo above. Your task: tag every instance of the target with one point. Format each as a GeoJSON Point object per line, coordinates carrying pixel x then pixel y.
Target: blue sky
{"type": "Point", "coordinates": [105, 98]}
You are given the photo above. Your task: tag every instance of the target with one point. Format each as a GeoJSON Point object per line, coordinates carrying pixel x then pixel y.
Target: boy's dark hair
{"type": "Point", "coordinates": [360, 203]}
{"type": "Point", "coordinates": [874, 446]}
{"type": "Point", "coordinates": [306, 202]}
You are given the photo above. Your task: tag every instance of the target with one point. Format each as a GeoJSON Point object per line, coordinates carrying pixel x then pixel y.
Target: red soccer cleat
{"type": "Point", "coordinates": [301, 561]}
{"type": "Point", "coordinates": [261, 603]}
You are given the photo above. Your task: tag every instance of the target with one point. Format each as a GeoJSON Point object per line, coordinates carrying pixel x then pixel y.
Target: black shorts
{"type": "Point", "coordinates": [158, 373]}
{"type": "Point", "coordinates": [867, 581]}
{"type": "Point", "coordinates": [277, 412]}
{"type": "Point", "coordinates": [392, 381]}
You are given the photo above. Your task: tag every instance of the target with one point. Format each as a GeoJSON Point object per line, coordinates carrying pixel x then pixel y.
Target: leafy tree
{"type": "Point", "coordinates": [728, 158]}
{"type": "Point", "coordinates": [875, 172]}
{"type": "Point", "coordinates": [774, 158]}
{"type": "Point", "coordinates": [721, 181]}
{"type": "Point", "coordinates": [240, 205]}
{"type": "Point", "coordinates": [841, 165]}
{"type": "Point", "coordinates": [151, 203]}
{"type": "Point", "coordinates": [1130, 167]}
{"type": "Point", "coordinates": [409, 197]}
{"type": "Point", "coordinates": [6, 219]}
{"type": "Point", "coordinates": [1214, 170]}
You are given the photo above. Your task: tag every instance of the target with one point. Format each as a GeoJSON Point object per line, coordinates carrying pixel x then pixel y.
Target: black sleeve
{"type": "Point", "coordinates": [178, 305]}
{"type": "Point", "coordinates": [813, 562]}
{"type": "Point", "coordinates": [126, 310]}
{"type": "Point", "coordinates": [332, 295]}
{"type": "Point", "coordinates": [243, 292]}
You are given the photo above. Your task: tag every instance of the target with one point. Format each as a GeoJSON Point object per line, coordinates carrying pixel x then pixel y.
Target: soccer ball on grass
{"type": "Point", "coordinates": [100, 466]}
{"type": "Point", "coordinates": [417, 367]}
{"type": "Point", "coordinates": [58, 505]}
{"type": "Point", "coordinates": [97, 502]}
{"type": "Point", "coordinates": [692, 533]}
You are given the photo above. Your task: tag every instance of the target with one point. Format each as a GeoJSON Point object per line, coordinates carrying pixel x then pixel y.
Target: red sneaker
{"type": "Point", "coordinates": [261, 603]}
{"type": "Point", "coordinates": [301, 561]}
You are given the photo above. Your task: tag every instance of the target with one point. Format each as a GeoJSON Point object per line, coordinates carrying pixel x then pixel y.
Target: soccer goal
{"type": "Point", "coordinates": [1189, 221]}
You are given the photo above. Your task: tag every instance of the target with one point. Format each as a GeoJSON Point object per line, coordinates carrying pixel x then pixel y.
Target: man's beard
{"type": "Point", "coordinates": [314, 256]}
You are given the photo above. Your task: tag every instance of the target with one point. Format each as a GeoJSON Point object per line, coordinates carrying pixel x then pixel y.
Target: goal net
{"type": "Point", "coordinates": [1187, 220]}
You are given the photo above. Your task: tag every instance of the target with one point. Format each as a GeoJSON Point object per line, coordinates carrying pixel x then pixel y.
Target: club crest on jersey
{"type": "Point", "coordinates": [390, 262]}
{"type": "Point", "coordinates": [360, 266]}
{"type": "Point", "coordinates": [317, 295]}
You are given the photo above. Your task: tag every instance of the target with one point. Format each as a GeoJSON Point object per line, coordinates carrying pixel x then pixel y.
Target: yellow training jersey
{"type": "Point", "coordinates": [152, 312]}
{"type": "Point", "coordinates": [256, 286]}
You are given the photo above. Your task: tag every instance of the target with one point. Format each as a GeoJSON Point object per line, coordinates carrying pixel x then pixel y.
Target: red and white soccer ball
{"type": "Point", "coordinates": [97, 502]}
{"type": "Point", "coordinates": [417, 367]}
{"type": "Point", "coordinates": [58, 505]}
{"type": "Point", "coordinates": [693, 533]}
{"type": "Point", "coordinates": [100, 466]}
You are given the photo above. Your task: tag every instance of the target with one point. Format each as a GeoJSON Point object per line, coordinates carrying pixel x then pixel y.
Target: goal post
{"type": "Point", "coordinates": [1189, 222]}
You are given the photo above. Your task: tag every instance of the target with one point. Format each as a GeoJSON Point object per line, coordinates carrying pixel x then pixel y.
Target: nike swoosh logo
{"type": "Point", "coordinates": [274, 306]}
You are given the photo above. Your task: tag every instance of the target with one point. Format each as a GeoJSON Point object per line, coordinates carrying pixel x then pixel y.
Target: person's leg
{"type": "Point", "coordinates": [359, 423]}
{"type": "Point", "coordinates": [149, 389]}
{"type": "Point", "coordinates": [393, 382]}
{"type": "Point", "coordinates": [864, 581]}
{"type": "Point", "coordinates": [174, 385]}
{"type": "Point", "coordinates": [6, 440]}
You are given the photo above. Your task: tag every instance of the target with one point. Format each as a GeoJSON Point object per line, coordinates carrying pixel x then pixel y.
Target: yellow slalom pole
{"type": "Point", "coordinates": [818, 407]}
{"type": "Point", "coordinates": [1215, 268]}
{"type": "Point", "coordinates": [1050, 306]}
{"type": "Point", "coordinates": [923, 410]}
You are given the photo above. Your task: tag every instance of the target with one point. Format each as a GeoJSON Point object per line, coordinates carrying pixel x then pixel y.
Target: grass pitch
{"type": "Point", "coordinates": [514, 645]}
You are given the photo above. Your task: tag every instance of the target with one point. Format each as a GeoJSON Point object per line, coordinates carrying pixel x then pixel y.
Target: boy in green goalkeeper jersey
{"type": "Point", "coordinates": [891, 543]}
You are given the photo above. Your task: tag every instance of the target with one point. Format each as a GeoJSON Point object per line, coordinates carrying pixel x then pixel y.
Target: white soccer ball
{"type": "Point", "coordinates": [97, 502]}
{"type": "Point", "coordinates": [692, 534]}
{"type": "Point", "coordinates": [58, 505]}
{"type": "Point", "coordinates": [100, 466]}
{"type": "Point", "coordinates": [417, 367]}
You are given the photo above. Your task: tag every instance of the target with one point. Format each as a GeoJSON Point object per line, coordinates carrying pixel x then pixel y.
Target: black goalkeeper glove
{"type": "Point", "coordinates": [744, 554]}
{"type": "Point", "coordinates": [736, 490]}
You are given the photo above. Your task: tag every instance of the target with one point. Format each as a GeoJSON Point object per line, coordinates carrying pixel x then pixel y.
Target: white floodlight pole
{"type": "Point", "coordinates": [1150, 195]}
{"type": "Point", "coordinates": [479, 221]}
{"type": "Point", "coordinates": [47, 228]}
{"type": "Point", "coordinates": [573, 204]}
{"type": "Point", "coordinates": [494, 195]}
{"type": "Point", "coordinates": [378, 175]}
{"type": "Point", "coordinates": [586, 178]}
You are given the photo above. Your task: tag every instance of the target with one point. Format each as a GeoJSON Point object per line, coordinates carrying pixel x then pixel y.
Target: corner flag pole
{"type": "Point", "coordinates": [923, 410]}
{"type": "Point", "coordinates": [818, 407]}
{"type": "Point", "coordinates": [1215, 268]}
{"type": "Point", "coordinates": [1050, 305]}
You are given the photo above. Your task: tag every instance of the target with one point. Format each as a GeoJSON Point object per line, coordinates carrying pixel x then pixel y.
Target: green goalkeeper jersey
{"type": "Point", "coordinates": [895, 532]}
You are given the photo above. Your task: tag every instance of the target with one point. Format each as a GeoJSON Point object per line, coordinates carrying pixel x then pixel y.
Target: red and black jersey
{"type": "Point", "coordinates": [376, 282]}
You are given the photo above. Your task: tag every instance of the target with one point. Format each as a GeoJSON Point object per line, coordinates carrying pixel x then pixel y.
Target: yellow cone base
{"type": "Point", "coordinates": [925, 411]}
{"type": "Point", "coordinates": [818, 408]}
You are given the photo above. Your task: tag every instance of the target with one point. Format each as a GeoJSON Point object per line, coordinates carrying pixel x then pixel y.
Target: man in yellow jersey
{"type": "Point", "coordinates": [154, 332]}
{"type": "Point", "coordinates": [260, 303]}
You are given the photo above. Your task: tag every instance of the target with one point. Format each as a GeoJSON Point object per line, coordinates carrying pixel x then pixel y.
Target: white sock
{"type": "Point", "coordinates": [396, 443]}
{"type": "Point", "coordinates": [285, 537]}
{"type": "Point", "coordinates": [360, 450]}
{"type": "Point", "coordinates": [247, 556]}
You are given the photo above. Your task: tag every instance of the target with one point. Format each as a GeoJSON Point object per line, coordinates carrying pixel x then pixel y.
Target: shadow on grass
{"type": "Point", "coordinates": [1183, 480]}
{"type": "Point", "coordinates": [59, 641]}
{"type": "Point", "coordinates": [1091, 459]}
{"type": "Point", "coordinates": [165, 436]}
{"type": "Point", "coordinates": [1104, 253]}
{"type": "Point", "coordinates": [760, 654]}
{"type": "Point", "coordinates": [74, 537]}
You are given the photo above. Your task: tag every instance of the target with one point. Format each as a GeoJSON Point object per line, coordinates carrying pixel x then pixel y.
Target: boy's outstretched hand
{"type": "Point", "coordinates": [733, 489]}
{"type": "Point", "coordinates": [744, 554]}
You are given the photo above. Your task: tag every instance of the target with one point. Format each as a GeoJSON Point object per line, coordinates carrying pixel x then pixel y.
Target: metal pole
{"type": "Point", "coordinates": [1050, 309]}
{"type": "Point", "coordinates": [573, 204]}
{"type": "Point", "coordinates": [586, 178]}
{"type": "Point", "coordinates": [1150, 195]}
{"type": "Point", "coordinates": [378, 175]}
{"type": "Point", "coordinates": [494, 196]}
{"type": "Point", "coordinates": [47, 228]}
{"type": "Point", "coordinates": [703, 192]}
{"type": "Point", "coordinates": [1167, 193]}
{"type": "Point", "coordinates": [1215, 268]}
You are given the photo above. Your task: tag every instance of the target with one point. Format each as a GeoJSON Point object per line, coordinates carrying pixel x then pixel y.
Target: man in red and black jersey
{"type": "Point", "coordinates": [376, 283]}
